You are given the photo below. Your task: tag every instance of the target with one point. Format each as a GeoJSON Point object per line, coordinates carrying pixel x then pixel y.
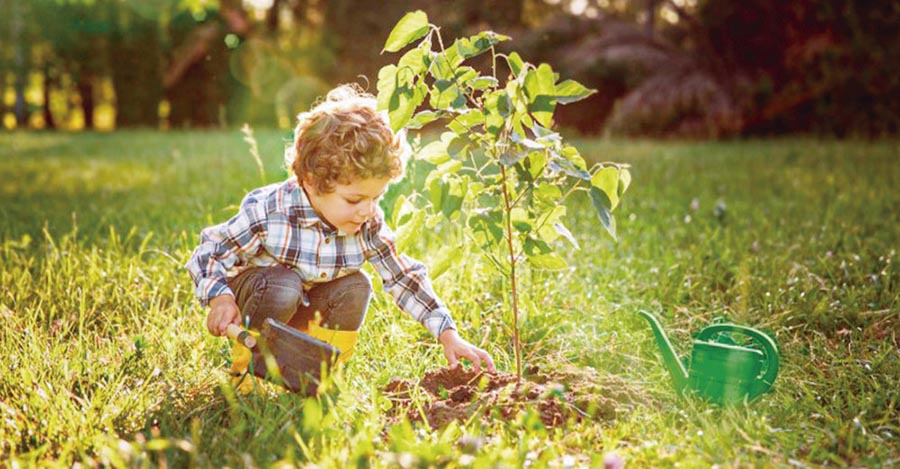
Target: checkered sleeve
{"type": "Point", "coordinates": [406, 279]}
{"type": "Point", "coordinates": [225, 246]}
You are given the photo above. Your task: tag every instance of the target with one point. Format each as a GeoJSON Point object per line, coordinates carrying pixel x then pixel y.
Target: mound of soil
{"type": "Point", "coordinates": [462, 394]}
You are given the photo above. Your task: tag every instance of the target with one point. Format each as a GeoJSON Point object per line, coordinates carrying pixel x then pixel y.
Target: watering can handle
{"type": "Point", "coordinates": [771, 349]}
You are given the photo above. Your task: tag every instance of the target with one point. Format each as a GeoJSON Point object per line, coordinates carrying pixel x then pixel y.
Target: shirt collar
{"type": "Point", "coordinates": [303, 211]}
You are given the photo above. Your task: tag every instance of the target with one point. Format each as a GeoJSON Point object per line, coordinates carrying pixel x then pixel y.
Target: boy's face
{"type": "Point", "coordinates": [350, 205]}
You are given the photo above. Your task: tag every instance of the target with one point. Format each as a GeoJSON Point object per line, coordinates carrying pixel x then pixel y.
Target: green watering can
{"type": "Point", "coordinates": [722, 371]}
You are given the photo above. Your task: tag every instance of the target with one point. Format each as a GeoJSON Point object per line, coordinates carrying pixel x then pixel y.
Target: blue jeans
{"type": "Point", "coordinates": [276, 292]}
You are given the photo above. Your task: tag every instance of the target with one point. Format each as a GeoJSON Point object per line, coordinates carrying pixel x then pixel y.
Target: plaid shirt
{"type": "Point", "coordinates": [277, 225]}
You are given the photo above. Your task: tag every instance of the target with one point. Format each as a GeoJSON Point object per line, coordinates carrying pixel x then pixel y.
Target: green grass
{"type": "Point", "coordinates": [108, 361]}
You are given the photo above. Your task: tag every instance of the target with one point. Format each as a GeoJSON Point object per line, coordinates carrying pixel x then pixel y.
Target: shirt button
{"type": "Point", "coordinates": [322, 275]}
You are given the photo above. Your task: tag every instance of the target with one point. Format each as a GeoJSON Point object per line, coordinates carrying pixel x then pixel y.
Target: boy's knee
{"type": "Point", "coordinates": [276, 293]}
{"type": "Point", "coordinates": [348, 309]}
{"type": "Point", "coordinates": [357, 281]}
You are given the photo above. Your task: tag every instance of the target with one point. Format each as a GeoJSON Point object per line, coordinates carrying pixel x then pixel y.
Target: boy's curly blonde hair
{"type": "Point", "coordinates": [343, 139]}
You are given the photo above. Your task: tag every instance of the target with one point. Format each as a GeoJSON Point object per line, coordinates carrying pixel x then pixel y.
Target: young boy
{"type": "Point", "coordinates": [294, 250]}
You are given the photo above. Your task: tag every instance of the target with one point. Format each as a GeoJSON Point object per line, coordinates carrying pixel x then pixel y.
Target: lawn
{"type": "Point", "coordinates": [108, 361]}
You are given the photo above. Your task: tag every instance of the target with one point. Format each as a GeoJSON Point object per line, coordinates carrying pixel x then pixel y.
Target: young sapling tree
{"type": "Point", "coordinates": [501, 171]}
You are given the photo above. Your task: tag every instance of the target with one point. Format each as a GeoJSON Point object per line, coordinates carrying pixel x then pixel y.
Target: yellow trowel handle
{"type": "Point", "coordinates": [239, 334]}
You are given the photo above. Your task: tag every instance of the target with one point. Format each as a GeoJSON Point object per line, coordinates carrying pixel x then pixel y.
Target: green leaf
{"type": "Point", "coordinates": [535, 163]}
{"type": "Point", "coordinates": [443, 260]}
{"type": "Point", "coordinates": [488, 221]}
{"type": "Point", "coordinates": [455, 194]}
{"type": "Point", "coordinates": [498, 103]}
{"type": "Point", "coordinates": [411, 230]}
{"type": "Point", "coordinates": [547, 232]}
{"type": "Point", "coordinates": [402, 210]}
{"type": "Point", "coordinates": [403, 104]}
{"type": "Point", "coordinates": [411, 27]}
{"type": "Point", "coordinates": [571, 154]}
{"type": "Point", "coordinates": [446, 64]}
{"type": "Point", "coordinates": [624, 181]}
{"type": "Point", "coordinates": [457, 146]}
{"type": "Point", "coordinates": [478, 44]}
{"type": "Point", "coordinates": [516, 64]}
{"type": "Point", "coordinates": [558, 164]}
{"type": "Point", "coordinates": [562, 230]}
{"type": "Point", "coordinates": [540, 90]}
{"type": "Point", "coordinates": [463, 123]}
{"type": "Point", "coordinates": [414, 60]}
{"type": "Point", "coordinates": [607, 180]}
{"type": "Point", "coordinates": [534, 247]}
{"type": "Point", "coordinates": [436, 193]}
{"type": "Point", "coordinates": [571, 91]}
{"type": "Point", "coordinates": [520, 221]}
{"type": "Point", "coordinates": [603, 207]}
{"type": "Point", "coordinates": [545, 135]}
{"type": "Point", "coordinates": [482, 83]}
{"type": "Point", "coordinates": [528, 143]}
{"type": "Point", "coordinates": [551, 261]}
{"type": "Point", "coordinates": [512, 156]}
{"type": "Point", "coordinates": [424, 118]}
{"type": "Point", "coordinates": [435, 152]}
{"type": "Point", "coordinates": [516, 92]}
{"type": "Point", "coordinates": [387, 83]}
{"type": "Point", "coordinates": [548, 193]}
{"type": "Point", "coordinates": [398, 95]}
{"type": "Point", "coordinates": [464, 74]}
{"type": "Point", "coordinates": [493, 123]}
{"type": "Point", "coordinates": [451, 166]}
{"type": "Point", "coordinates": [498, 106]}
{"type": "Point", "coordinates": [444, 94]}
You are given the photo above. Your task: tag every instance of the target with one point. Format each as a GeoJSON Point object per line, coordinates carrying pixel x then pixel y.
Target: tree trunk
{"type": "Point", "coordinates": [273, 16]}
{"type": "Point", "coordinates": [651, 16]}
{"type": "Point", "coordinates": [136, 68]}
{"type": "Point", "coordinates": [21, 68]}
{"type": "Point", "coordinates": [199, 85]}
{"type": "Point", "coordinates": [49, 122]}
{"type": "Point", "coordinates": [86, 92]}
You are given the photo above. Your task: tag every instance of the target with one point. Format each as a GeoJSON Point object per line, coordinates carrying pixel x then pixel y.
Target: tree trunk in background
{"type": "Point", "coordinates": [20, 66]}
{"type": "Point", "coordinates": [86, 92]}
{"type": "Point", "coordinates": [273, 16]}
{"type": "Point", "coordinates": [356, 32]}
{"type": "Point", "coordinates": [651, 16]}
{"type": "Point", "coordinates": [49, 122]}
{"type": "Point", "coordinates": [136, 65]}
{"type": "Point", "coordinates": [496, 15]}
{"type": "Point", "coordinates": [197, 98]}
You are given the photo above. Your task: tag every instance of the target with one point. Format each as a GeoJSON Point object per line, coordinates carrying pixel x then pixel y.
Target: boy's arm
{"type": "Point", "coordinates": [406, 279]}
{"type": "Point", "coordinates": [224, 246]}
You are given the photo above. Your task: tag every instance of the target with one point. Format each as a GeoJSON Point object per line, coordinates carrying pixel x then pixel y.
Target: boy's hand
{"type": "Point", "coordinates": [223, 311]}
{"type": "Point", "coordinates": [455, 347]}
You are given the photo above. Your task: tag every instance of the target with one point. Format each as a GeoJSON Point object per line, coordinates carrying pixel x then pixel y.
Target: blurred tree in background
{"type": "Point", "coordinates": [664, 68]}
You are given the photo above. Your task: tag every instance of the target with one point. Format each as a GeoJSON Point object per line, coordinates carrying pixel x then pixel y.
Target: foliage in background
{"type": "Point", "coordinates": [662, 67]}
{"type": "Point", "coordinates": [500, 172]}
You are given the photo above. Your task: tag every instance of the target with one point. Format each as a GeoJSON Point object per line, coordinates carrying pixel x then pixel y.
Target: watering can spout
{"type": "Point", "coordinates": [670, 358]}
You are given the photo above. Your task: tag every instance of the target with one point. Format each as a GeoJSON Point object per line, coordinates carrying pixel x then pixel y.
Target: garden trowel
{"type": "Point", "coordinates": [286, 356]}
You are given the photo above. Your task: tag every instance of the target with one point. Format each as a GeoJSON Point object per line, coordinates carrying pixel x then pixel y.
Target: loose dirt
{"type": "Point", "coordinates": [557, 397]}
